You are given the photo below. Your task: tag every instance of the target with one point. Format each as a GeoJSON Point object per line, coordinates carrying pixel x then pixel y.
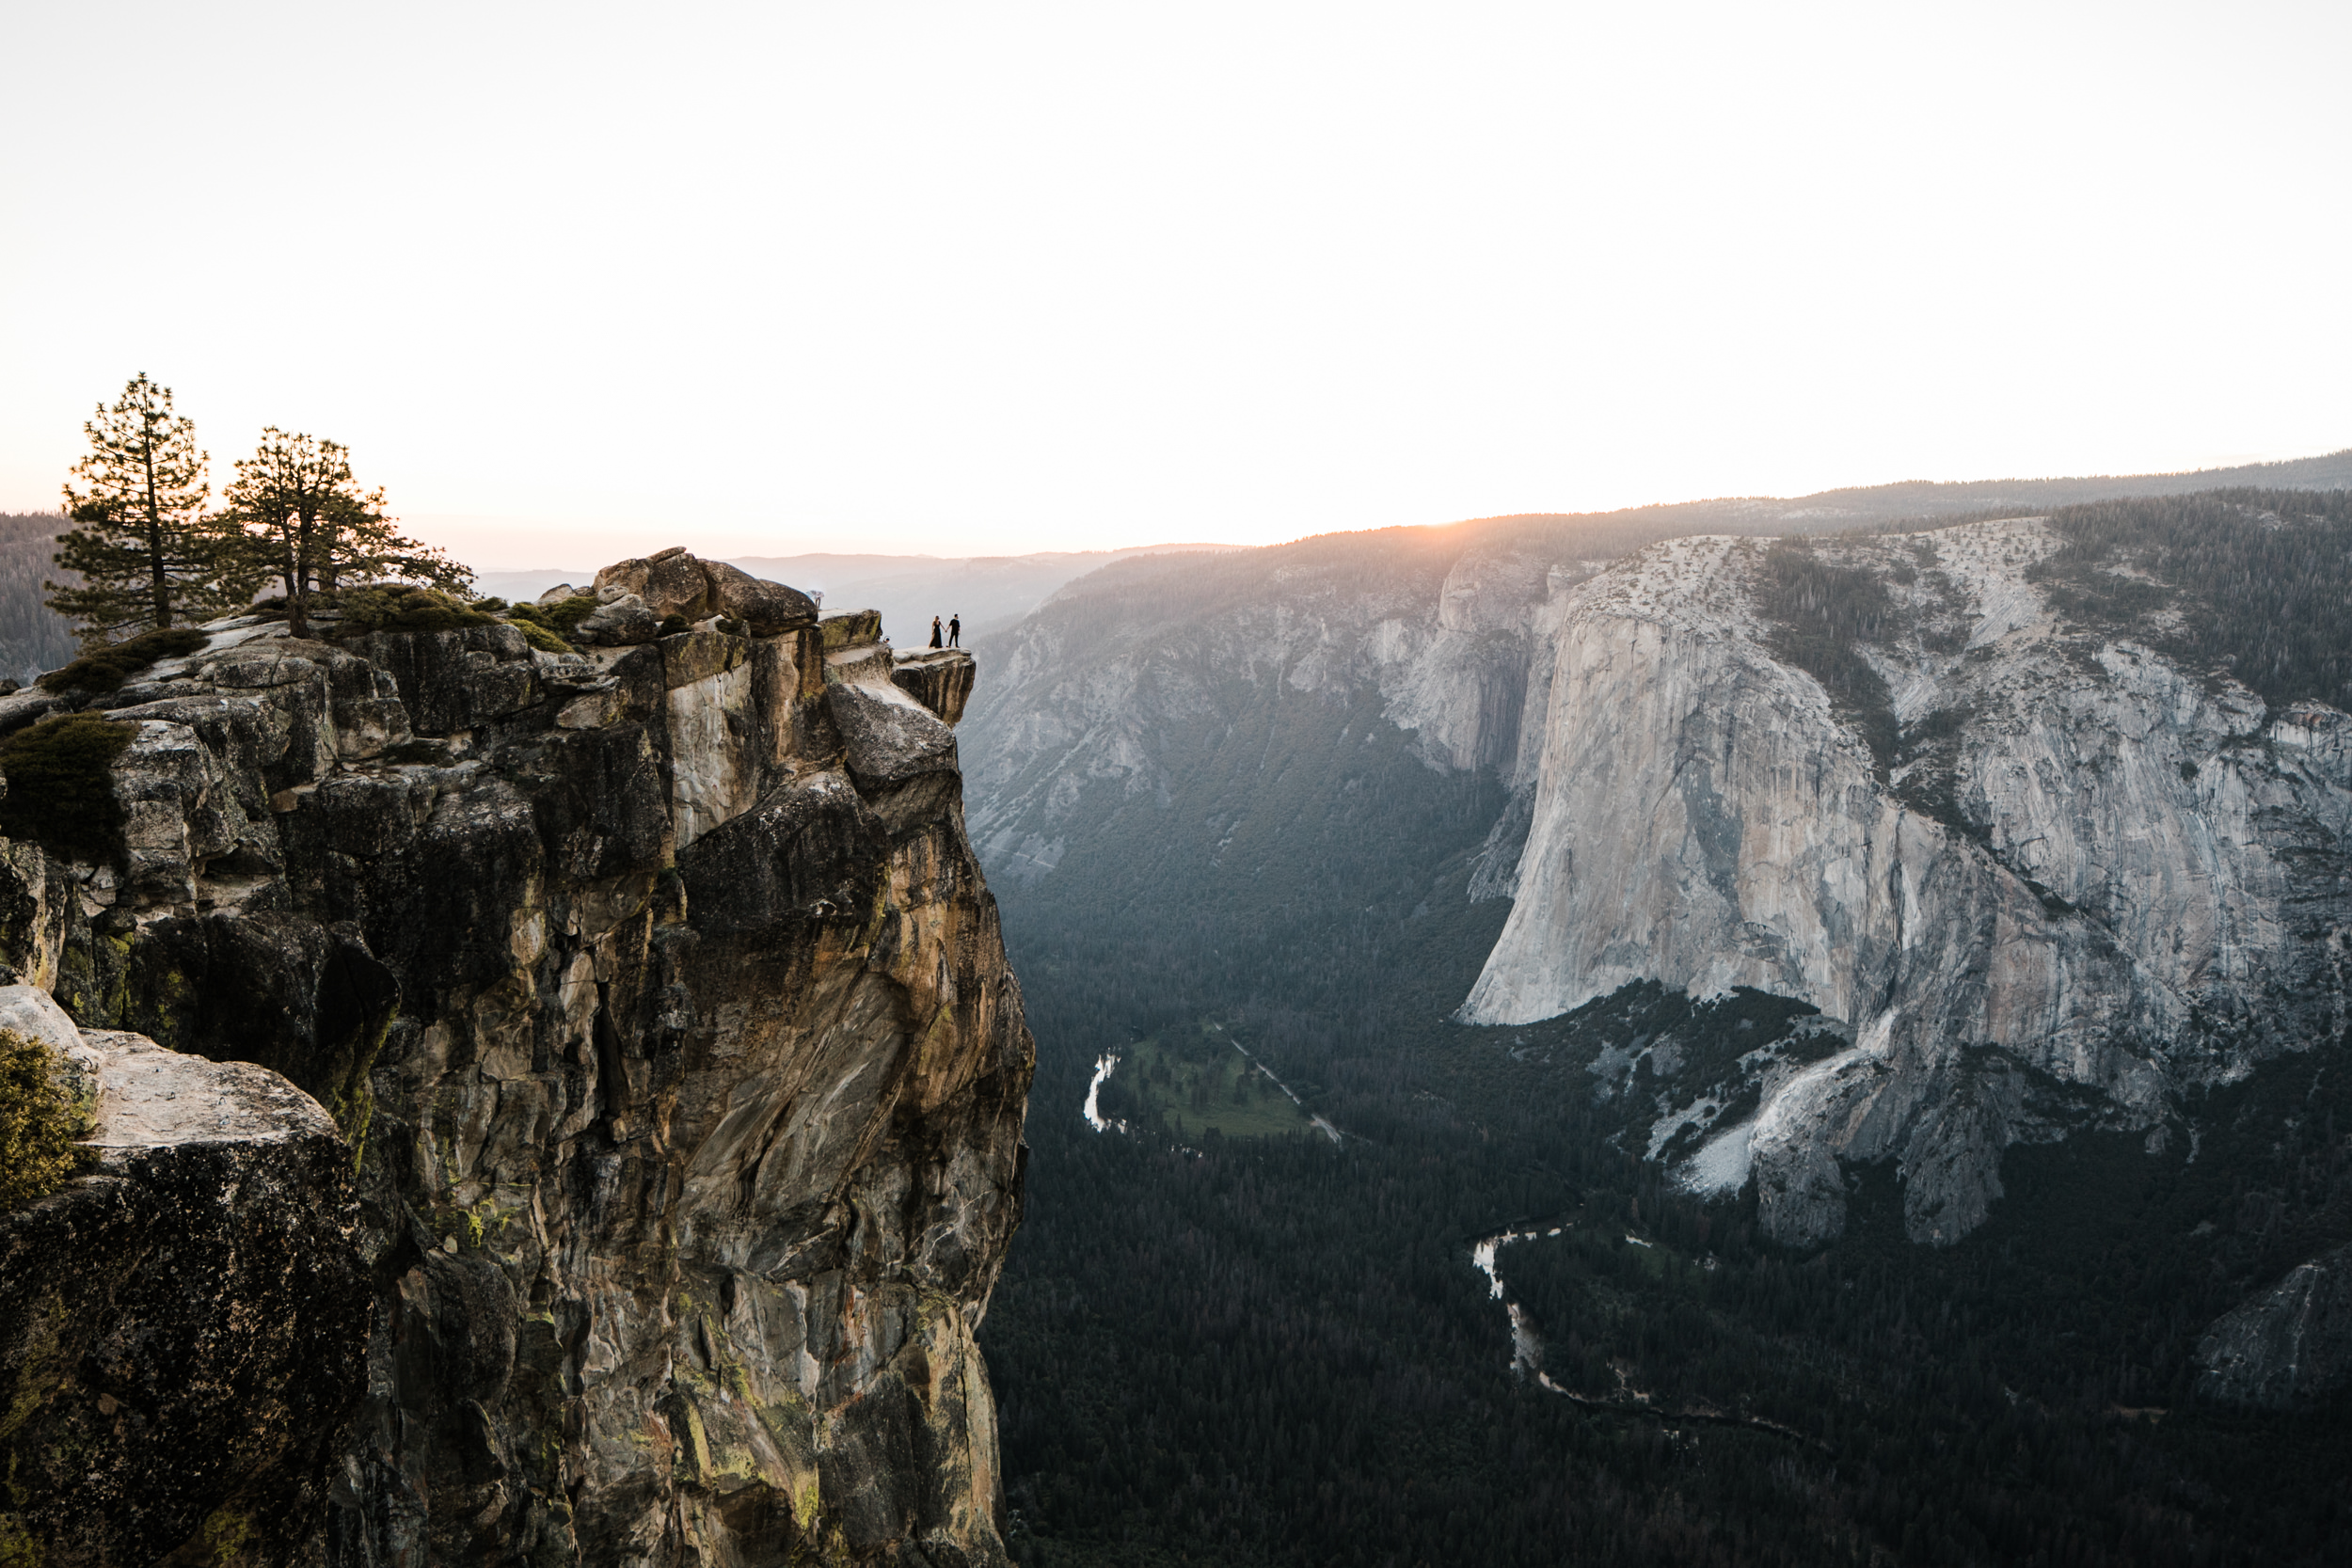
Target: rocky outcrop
{"type": "Point", "coordinates": [939, 678]}
{"type": "Point", "coordinates": [183, 1329]}
{"type": "Point", "coordinates": [672, 582]}
{"type": "Point", "coordinates": [658, 995]}
{"type": "Point", "coordinates": [2290, 1345]}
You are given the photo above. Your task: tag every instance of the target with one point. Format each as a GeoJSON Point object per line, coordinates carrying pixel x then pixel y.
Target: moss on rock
{"type": "Point", "coordinates": [60, 793]}
{"type": "Point", "coordinates": [106, 669]}
{"type": "Point", "coordinates": [392, 607]}
{"type": "Point", "coordinates": [39, 1120]}
{"type": "Point", "coordinates": [540, 636]}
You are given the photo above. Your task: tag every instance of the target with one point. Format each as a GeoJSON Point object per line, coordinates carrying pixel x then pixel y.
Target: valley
{"type": "Point", "coordinates": [1906, 1172]}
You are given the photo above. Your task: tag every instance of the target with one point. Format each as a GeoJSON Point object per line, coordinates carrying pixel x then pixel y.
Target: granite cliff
{"type": "Point", "coordinates": [659, 1001]}
{"type": "Point", "coordinates": [2087, 868]}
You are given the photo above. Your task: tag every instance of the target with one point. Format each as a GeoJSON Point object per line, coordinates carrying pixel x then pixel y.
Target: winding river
{"type": "Point", "coordinates": [1527, 1352]}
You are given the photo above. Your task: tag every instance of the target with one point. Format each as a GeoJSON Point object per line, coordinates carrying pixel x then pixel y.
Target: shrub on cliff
{"type": "Point", "coordinates": [60, 794]}
{"type": "Point", "coordinates": [562, 618]}
{"type": "Point", "coordinates": [106, 669]}
{"type": "Point", "coordinates": [39, 1122]}
{"type": "Point", "coordinates": [394, 608]}
{"type": "Point", "coordinates": [540, 637]}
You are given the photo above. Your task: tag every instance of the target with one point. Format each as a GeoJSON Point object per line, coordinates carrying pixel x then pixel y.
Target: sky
{"type": "Point", "coordinates": [578, 281]}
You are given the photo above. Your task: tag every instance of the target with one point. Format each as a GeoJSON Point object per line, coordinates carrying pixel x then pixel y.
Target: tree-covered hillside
{"type": "Point", "coordinates": [2254, 582]}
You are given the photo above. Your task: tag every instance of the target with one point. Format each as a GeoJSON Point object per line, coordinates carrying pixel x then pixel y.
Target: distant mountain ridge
{"type": "Point", "coordinates": [1929, 500]}
{"type": "Point", "coordinates": [992, 592]}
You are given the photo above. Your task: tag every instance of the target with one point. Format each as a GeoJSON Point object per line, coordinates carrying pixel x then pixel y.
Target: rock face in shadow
{"type": "Point", "coordinates": [2290, 1345]}
{"type": "Point", "coordinates": [184, 1330]}
{"type": "Point", "coordinates": [659, 993]}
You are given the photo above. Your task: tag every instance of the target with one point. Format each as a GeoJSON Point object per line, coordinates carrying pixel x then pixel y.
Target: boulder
{"type": "Point", "coordinates": [675, 582]}
{"type": "Point", "coordinates": [900, 755]}
{"type": "Point", "coordinates": [670, 582]}
{"type": "Point", "coordinates": [30, 1011]}
{"type": "Point", "coordinates": [850, 628]}
{"type": "Point", "coordinates": [182, 1332]}
{"type": "Point", "coordinates": [765, 608]}
{"type": "Point", "coordinates": [623, 621]}
{"type": "Point", "coordinates": [557, 595]}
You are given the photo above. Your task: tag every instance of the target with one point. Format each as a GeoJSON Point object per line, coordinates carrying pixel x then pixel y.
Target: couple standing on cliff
{"type": "Point", "coordinates": [955, 632]}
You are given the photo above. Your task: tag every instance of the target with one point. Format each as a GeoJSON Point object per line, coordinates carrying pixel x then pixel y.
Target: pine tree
{"type": "Point", "coordinates": [148, 556]}
{"type": "Point", "coordinates": [307, 523]}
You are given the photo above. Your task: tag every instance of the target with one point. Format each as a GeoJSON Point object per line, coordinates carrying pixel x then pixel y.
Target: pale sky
{"type": "Point", "coordinates": [577, 281]}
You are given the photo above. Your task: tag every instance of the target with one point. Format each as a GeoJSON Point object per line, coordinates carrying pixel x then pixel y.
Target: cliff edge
{"type": "Point", "coordinates": [657, 994]}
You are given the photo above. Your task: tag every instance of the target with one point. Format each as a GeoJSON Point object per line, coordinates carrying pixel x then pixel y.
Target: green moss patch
{"type": "Point", "coordinates": [106, 669]}
{"type": "Point", "coordinates": [39, 1120]}
{"type": "Point", "coordinates": [540, 636]}
{"type": "Point", "coordinates": [59, 792]}
{"type": "Point", "coordinates": [397, 608]}
{"type": "Point", "coordinates": [562, 618]}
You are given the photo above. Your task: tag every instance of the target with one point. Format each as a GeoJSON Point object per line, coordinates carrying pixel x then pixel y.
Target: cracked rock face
{"type": "Point", "coordinates": [659, 993]}
{"type": "Point", "coordinates": [940, 680]}
{"type": "Point", "coordinates": [183, 1330]}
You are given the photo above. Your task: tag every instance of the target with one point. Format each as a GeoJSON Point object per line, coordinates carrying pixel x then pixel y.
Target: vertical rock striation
{"type": "Point", "coordinates": [659, 991]}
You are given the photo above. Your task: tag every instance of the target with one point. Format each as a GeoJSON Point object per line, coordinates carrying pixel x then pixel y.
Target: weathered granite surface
{"type": "Point", "coordinates": [939, 678]}
{"type": "Point", "coordinates": [2132, 888]}
{"type": "Point", "coordinates": [658, 990]}
{"type": "Point", "coordinates": [183, 1329]}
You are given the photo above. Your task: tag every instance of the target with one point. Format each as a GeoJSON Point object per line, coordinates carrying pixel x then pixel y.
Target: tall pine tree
{"type": "Point", "coordinates": [307, 522]}
{"type": "Point", "coordinates": [147, 554]}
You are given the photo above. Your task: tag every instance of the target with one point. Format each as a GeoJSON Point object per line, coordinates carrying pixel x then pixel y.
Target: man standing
{"type": "Point", "coordinates": [955, 631]}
